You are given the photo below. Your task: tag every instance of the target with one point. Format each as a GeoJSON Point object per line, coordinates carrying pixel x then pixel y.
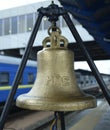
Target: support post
{"type": "Point", "coordinates": [19, 73]}
{"type": "Point", "coordinates": [62, 120]}
{"type": "Point", "coordinates": [88, 57]}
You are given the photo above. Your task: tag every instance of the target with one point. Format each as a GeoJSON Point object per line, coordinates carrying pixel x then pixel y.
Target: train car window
{"type": "Point", "coordinates": [22, 24]}
{"type": "Point", "coordinates": [4, 78]}
{"type": "Point", "coordinates": [1, 27]}
{"type": "Point", "coordinates": [7, 26]}
{"type": "Point", "coordinates": [30, 78]}
{"type": "Point", "coordinates": [14, 25]}
{"type": "Point", "coordinates": [29, 22]}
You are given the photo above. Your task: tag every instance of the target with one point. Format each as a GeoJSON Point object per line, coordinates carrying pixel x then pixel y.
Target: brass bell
{"type": "Point", "coordinates": [55, 87]}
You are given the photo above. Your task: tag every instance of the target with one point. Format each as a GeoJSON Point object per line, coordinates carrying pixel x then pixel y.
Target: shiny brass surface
{"type": "Point", "coordinates": [55, 87]}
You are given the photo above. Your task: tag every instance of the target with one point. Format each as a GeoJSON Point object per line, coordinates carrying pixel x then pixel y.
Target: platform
{"type": "Point", "coordinates": [94, 119]}
{"type": "Point", "coordinates": [90, 119]}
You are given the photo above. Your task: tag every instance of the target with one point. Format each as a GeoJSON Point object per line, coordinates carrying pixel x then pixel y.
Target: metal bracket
{"type": "Point", "coordinates": [53, 11]}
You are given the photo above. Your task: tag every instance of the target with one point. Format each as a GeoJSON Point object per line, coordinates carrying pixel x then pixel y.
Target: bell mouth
{"type": "Point", "coordinates": [70, 104]}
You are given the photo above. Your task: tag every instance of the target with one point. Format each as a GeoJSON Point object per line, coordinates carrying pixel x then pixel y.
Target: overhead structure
{"type": "Point", "coordinates": [94, 15]}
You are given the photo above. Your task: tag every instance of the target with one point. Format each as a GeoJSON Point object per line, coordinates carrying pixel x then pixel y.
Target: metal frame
{"type": "Point", "coordinates": [52, 12]}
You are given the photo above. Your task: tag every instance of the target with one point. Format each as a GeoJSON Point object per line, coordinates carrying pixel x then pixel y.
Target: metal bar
{"type": "Point", "coordinates": [61, 115]}
{"type": "Point", "coordinates": [19, 72]}
{"type": "Point", "coordinates": [88, 57]}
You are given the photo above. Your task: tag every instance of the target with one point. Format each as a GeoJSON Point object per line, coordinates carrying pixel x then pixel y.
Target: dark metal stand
{"type": "Point", "coordinates": [88, 57]}
{"type": "Point", "coordinates": [62, 120]}
{"type": "Point", "coordinates": [19, 73]}
{"type": "Point", "coordinates": [59, 116]}
{"type": "Point", "coordinates": [52, 12]}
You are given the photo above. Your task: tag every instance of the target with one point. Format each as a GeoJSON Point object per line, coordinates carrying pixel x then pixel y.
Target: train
{"type": "Point", "coordinates": [8, 68]}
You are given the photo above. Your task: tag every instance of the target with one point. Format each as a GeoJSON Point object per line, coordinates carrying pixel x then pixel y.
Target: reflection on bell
{"type": "Point", "coordinates": [55, 87]}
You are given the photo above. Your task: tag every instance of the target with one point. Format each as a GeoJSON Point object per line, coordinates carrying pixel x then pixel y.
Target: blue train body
{"type": "Point", "coordinates": [7, 75]}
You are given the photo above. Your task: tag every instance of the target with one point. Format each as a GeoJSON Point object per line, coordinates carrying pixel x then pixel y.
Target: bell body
{"type": "Point", "coordinates": [55, 87]}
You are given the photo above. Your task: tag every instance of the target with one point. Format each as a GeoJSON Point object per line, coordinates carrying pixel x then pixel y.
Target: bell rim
{"type": "Point", "coordinates": [37, 104]}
